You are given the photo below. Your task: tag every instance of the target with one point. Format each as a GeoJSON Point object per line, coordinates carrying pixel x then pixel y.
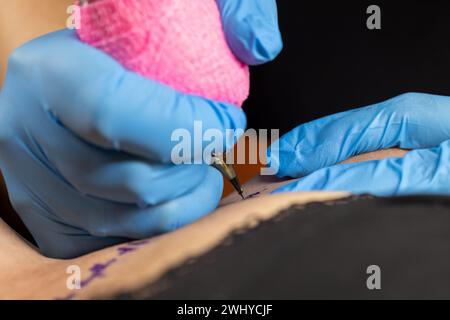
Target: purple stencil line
{"type": "Point", "coordinates": [98, 269]}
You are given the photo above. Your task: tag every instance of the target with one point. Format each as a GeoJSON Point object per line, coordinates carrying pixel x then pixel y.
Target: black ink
{"type": "Point", "coordinates": [254, 195]}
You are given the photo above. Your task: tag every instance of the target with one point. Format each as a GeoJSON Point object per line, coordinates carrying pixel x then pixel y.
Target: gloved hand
{"type": "Point", "coordinates": [85, 145]}
{"type": "Point", "coordinates": [411, 121]}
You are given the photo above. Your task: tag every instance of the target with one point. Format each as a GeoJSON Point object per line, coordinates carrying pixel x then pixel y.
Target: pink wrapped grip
{"type": "Point", "coordinates": [180, 43]}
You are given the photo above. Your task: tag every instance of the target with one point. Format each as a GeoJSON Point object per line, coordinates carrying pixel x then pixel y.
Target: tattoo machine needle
{"type": "Point", "coordinates": [228, 172]}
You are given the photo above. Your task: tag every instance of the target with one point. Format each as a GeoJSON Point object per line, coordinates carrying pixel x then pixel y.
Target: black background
{"type": "Point", "coordinates": [332, 62]}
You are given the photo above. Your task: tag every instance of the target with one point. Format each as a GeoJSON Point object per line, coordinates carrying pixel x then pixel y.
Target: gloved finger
{"type": "Point", "coordinates": [169, 216]}
{"type": "Point", "coordinates": [97, 99]}
{"type": "Point", "coordinates": [409, 121]}
{"type": "Point", "coordinates": [425, 171]}
{"type": "Point", "coordinates": [62, 232]}
{"type": "Point", "coordinates": [251, 28]}
{"type": "Point", "coordinates": [97, 172]}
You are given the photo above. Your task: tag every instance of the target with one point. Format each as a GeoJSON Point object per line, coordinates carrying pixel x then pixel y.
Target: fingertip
{"type": "Point", "coordinates": [255, 41]}
{"type": "Point", "coordinates": [283, 156]}
{"type": "Point", "coordinates": [252, 30]}
{"type": "Point", "coordinates": [195, 205]}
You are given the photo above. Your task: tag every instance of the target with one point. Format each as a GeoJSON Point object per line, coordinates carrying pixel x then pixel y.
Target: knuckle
{"type": "Point", "coordinates": [100, 230]}
{"type": "Point", "coordinates": [407, 100]}
{"type": "Point", "coordinates": [22, 58]}
{"type": "Point", "coordinates": [136, 179]}
{"type": "Point", "coordinates": [105, 227]}
{"type": "Point", "coordinates": [405, 104]}
{"type": "Point", "coordinates": [106, 98]}
{"type": "Point", "coordinates": [99, 119]}
{"type": "Point", "coordinates": [16, 59]}
{"type": "Point", "coordinates": [98, 114]}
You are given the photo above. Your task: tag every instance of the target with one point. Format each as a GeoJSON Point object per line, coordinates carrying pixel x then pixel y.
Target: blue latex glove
{"type": "Point", "coordinates": [410, 121]}
{"type": "Point", "coordinates": [85, 145]}
{"type": "Point", "coordinates": [251, 28]}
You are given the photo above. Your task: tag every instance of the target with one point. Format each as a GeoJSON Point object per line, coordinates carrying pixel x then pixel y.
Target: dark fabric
{"type": "Point", "coordinates": [322, 251]}
{"type": "Point", "coordinates": [331, 61]}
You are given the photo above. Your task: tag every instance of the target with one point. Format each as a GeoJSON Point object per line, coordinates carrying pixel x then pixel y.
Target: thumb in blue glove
{"type": "Point", "coordinates": [251, 28]}
{"type": "Point", "coordinates": [420, 122]}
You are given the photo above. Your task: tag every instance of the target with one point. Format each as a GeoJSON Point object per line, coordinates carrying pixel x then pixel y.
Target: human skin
{"type": "Point", "coordinates": [23, 20]}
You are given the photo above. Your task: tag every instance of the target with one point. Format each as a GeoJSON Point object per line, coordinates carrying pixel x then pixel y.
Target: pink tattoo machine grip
{"type": "Point", "coordinates": [180, 43]}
